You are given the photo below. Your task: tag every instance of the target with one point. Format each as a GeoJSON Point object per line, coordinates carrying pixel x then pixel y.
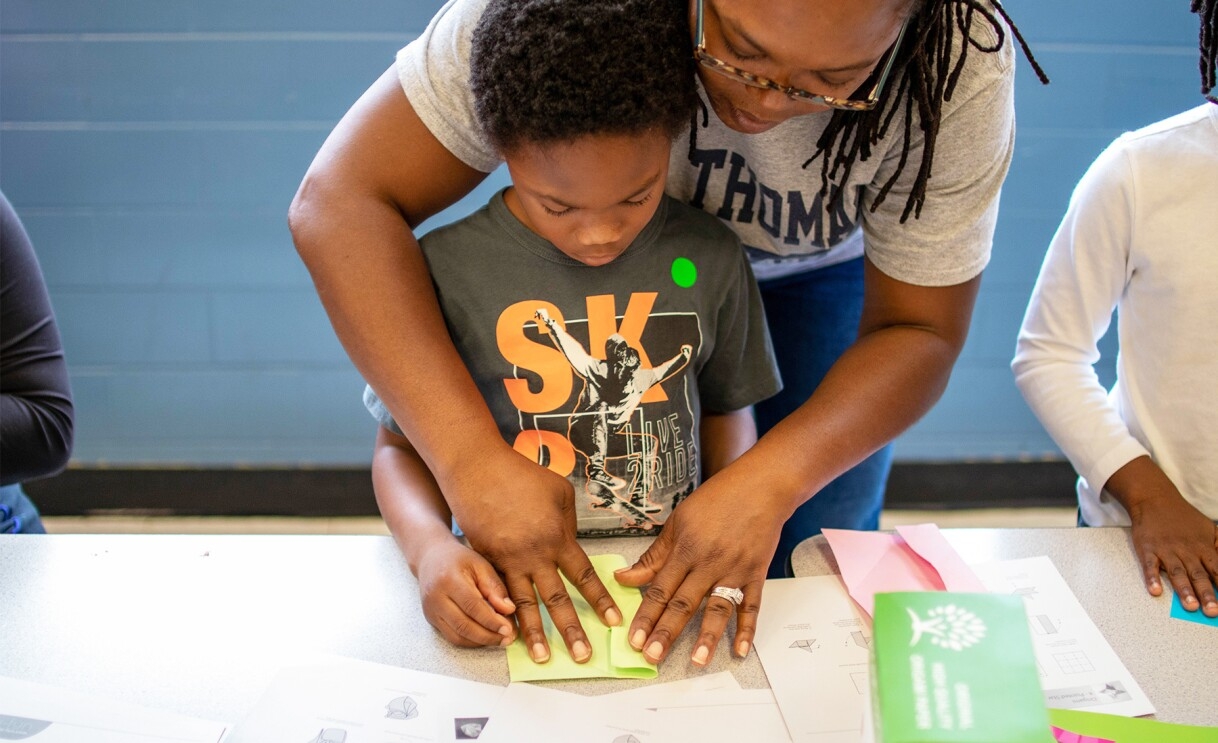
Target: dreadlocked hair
{"type": "Point", "coordinates": [924, 75]}
{"type": "Point", "coordinates": [1208, 10]}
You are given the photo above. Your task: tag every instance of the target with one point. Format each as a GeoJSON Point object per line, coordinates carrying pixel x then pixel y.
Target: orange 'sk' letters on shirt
{"type": "Point", "coordinates": [546, 360]}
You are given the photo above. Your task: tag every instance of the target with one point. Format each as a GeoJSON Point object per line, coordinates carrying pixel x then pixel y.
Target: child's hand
{"type": "Point", "coordinates": [1173, 536]}
{"type": "Point", "coordinates": [463, 597]}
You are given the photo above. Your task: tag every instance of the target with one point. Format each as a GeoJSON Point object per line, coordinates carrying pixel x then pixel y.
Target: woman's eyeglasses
{"type": "Point", "coordinates": [711, 62]}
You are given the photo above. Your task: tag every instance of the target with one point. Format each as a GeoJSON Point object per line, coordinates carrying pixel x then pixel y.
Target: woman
{"type": "Point", "coordinates": [827, 120]}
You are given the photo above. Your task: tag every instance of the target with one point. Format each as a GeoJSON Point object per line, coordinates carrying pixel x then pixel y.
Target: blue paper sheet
{"type": "Point", "coordinates": [1178, 612]}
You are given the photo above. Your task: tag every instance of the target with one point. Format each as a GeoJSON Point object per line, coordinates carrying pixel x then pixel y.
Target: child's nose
{"type": "Point", "coordinates": [602, 233]}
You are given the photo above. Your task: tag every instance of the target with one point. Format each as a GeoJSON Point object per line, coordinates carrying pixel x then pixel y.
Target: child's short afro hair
{"type": "Point", "coordinates": [554, 70]}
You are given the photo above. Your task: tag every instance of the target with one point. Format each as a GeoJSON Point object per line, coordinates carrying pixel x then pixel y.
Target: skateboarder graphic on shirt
{"type": "Point", "coordinates": [613, 389]}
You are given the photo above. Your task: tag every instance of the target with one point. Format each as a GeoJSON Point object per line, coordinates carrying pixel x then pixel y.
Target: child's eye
{"type": "Point", "coordinates": [640, 202]}
{"type": "Point", "coordinates": [554, 213]}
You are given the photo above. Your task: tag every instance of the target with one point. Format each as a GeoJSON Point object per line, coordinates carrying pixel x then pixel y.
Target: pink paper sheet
{"type": "Point", "coordinates": [1065, 736]}
{"type": "Point", "coordinates": [916, 558]}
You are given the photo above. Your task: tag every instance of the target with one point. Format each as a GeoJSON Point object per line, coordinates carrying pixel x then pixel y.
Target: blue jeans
{"type": "Point", "coordinates": [17, 513]}
{"type": "Point", "coordinates": [813, 318]}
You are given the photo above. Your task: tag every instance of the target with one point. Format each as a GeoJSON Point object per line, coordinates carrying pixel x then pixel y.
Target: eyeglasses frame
{"type": "Point", "coordinates": [715, 64]}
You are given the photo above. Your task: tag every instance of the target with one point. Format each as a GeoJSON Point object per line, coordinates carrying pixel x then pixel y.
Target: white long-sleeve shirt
{"type": "Point", "coordinates": [1140, 236]}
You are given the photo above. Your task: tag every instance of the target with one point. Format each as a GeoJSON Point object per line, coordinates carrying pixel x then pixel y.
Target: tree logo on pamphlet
{"type": "Point", "coordinates": [949, 627]}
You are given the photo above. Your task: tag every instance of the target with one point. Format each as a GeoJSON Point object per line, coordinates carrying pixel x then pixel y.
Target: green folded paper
{"type": "Point", "coordinates": [955, 668]}
{"type": "Point", "coordinates": [612, 656]}
{"type": "Point", "coordinates": [1129, 729]}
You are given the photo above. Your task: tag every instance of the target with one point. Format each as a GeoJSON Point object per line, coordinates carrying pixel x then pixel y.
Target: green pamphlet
{"type": "Point", "coordinates": [612, 656]}
{"type": "Point", "coordinates": [955, 667]}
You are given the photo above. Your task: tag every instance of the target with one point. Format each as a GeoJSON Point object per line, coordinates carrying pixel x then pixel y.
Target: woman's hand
{"type": "Point", "coordinates": [521, 517]}
{"type": "Point", "coordinates": [463, 597]}
{"type": "Point", "coordinates": [711, 539]}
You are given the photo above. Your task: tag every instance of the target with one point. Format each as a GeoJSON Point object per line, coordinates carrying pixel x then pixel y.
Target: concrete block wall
{"type": "Point", "coordinates": [152, 148]}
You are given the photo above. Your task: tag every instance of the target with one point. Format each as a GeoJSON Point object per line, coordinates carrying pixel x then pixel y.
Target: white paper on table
{"type": "Point", "coordinates": [352, 701]}
{"type": "Point", "coordinates": [672, 692]}
{"type": "Point", "coordinates": [539, 714]}
{"type": "Point", "coordinates": [51, 714]}
{"type": "Point", "coordinates": [1078, 668]}
{"type": "Point", "coordinates": [868, 734]}
{"type": "Point", "coordinates": [706, 709]}
{"type": "Point", "coordinates": [813, 644]}
{"type": "Point", "coordinates": [724, 716]}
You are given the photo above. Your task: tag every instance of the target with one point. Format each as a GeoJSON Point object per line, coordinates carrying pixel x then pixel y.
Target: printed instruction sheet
{"type": "Point", "coordinates": [1078, 668]}
{"type": "Point", "coordinates": [813, 644]}
{"type": "Point", "coordinates": [352, 701]}
{"type": "Point", "coordinates": [50, 714]}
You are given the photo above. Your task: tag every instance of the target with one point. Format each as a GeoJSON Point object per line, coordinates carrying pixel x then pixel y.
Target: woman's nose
{"type": "Point", "coordinates": [774, 105]}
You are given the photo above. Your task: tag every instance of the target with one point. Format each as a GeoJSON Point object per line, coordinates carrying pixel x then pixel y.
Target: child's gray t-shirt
{"type": "Point", "coordinates": [606, 397]}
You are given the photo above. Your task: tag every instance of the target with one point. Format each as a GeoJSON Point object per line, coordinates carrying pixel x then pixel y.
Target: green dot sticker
{"type": "Point", "coordinates": [684, 272]}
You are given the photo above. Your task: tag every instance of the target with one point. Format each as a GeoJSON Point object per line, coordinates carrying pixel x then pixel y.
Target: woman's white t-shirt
{"type": "Point", "coordinates": [756, 183]}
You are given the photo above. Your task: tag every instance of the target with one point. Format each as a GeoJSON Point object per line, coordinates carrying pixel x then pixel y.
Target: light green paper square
{"type": "Point", "coordinates": [612, 656]}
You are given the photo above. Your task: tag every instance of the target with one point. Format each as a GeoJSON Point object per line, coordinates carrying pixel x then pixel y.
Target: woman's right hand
{"type": "Point", "coordinates": [521, 517]}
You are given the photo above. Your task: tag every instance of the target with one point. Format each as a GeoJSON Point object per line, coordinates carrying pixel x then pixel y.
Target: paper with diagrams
{"type": "Point", "coordinates": [813, 644]}
{"type": "Point", "coordinates": [50, 714]}
{"type": "Point", "coordinates": [353, 701]}
{"type": "Point", "coordinates": [541, 714]}
{"type": "Point", "coordinates": [1078, 668]}
{"type": "Point", "coordinates": [708, 710]}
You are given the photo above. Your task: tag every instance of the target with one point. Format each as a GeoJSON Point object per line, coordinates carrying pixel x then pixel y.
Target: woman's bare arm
{"type": "Point", "coordinates": [380, 173]}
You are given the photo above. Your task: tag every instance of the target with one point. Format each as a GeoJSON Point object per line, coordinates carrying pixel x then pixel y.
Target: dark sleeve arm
{"type": "Point", "coordinates": [36, 416]}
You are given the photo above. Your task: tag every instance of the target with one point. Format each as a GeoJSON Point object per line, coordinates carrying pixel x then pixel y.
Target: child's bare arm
{"type": "Point", "coordinates": [462, 594]}
{"type": "Point", "coordinates": [725, 436]}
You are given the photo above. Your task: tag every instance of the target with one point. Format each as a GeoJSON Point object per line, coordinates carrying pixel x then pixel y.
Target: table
{"type": "Point", "coordinates": [199, 624]}
{"type": "Point", "coordinates": [1175, 662]}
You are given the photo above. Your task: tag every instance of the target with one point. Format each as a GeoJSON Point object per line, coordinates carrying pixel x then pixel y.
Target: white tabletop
{"type": "Point", "coordinates": [1175, 662]}
{"type": "Point", "coordinates": [200, 624]}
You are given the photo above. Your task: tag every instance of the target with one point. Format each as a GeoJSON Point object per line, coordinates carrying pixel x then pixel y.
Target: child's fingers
{"type": "Point", "coordinates": [455, 602]}
{"type": "Point", "coordinates": [492, 589]}
{"type": "Point", "coordinates": [460, 628]}
{"type": "Point", "coordinates": [478, 610]}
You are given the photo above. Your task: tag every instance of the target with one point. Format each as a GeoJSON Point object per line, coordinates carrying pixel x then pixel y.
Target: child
{"type": "Point", "coordinates": [1139, 237]}
{"type": "Point", "coordinates": [616, 334]}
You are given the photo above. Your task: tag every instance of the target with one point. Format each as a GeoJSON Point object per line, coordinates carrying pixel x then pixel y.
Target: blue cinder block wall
{"type": "Point", "coordinates": [152, 148]}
